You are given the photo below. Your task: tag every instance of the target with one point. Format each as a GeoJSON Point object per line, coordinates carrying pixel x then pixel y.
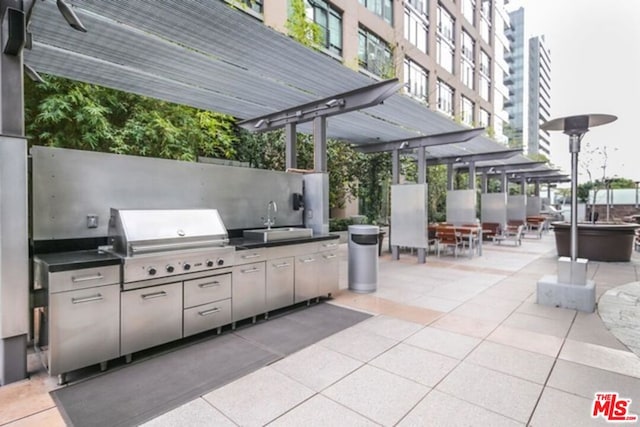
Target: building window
{"type": "Point", "coordinates": [420, 6]}
{"type": "Point", "coordinates": [466, 110]}
{"type": "Point", "coordinates": [374, 54]}
{"type": "Point", "coordinates": [484, 118]}
{"type": "Point", "coordinates": [445, 98]}
{"type": "Point", "coordinates": [467, 60]}
{"type": "Point", "coordinates": [485, 20]}
{"type": "Point", "coordinates": [382, 8]}
{"type": "Point", "coordinates": [469, 11]}
{"type": "Point", "coordinates": [330, 21]}
{"type": "Point", "coordinates": [416, 80]}
{"type": "Point", "coordinates": [444, 54]}
{"type": "Point", "coordinates": [255, 5]}
{"type": "Point", "coordinates": [445, 25]}
{"type": "Point", "coordinates": [485, 88]}
{"type": "Point", "coordinates": [485, 64]}
{"type": "Point", "coordinates": [416, 29]}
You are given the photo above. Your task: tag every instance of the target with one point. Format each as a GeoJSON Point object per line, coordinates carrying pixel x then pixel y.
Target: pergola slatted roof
{"type": "Point", "coordinates": [206, 54]}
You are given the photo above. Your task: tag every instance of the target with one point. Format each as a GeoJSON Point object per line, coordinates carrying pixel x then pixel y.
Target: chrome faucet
{"type": "Point", "coordinates": [271, 207]}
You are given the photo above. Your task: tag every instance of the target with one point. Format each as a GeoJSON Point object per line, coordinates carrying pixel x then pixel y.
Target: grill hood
{"type": "Point", "coordinates": [133, 231]}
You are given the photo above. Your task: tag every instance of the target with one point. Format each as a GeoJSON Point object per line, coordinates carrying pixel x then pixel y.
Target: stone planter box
{"type": "Point", "coordinates": [597, 242]}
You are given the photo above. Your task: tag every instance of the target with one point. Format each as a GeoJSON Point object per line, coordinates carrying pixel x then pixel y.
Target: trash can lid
{"type": "Point", "coordinates": [364, 229]}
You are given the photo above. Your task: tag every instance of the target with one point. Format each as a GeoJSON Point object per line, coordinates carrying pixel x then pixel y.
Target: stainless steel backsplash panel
{"type": "Point", "coordinates": [71, 185]}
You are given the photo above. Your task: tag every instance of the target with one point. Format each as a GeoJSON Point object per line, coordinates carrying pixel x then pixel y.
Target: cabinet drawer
{"type": "Point", "coordinates": [85, 278]}
{"type": "Point", "coordinates": [279, 283]}
{"type": "Point", "coordinates": [207, 289]}
{"type": "Point", "coordinates": [150, 316]}
{"type": "Point", "coordinates": [208, 316]}
{"type": "Point", "coordinates": [250, 255]}
{"type": "Point", "coordinates": [84, 328]}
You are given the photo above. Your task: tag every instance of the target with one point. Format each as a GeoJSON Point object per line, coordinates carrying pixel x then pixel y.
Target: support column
{"type": "Point", "coordinates": [450, 177]}
{"type": "Point", "coordinates": [320, 144]}
{"type": "Point", "coordinates": [536, 188]}
{"type": "Point", "coordinates": [504, 183]}
{"type": "Point", "coordinates": [472, 176]}
{"type": "Point", "coordinates": [484, 183]}
{"type": "Point", "coordinates": [291, 151]}
{"type": "Point", "coordinates": [14, 258]}
{"type": "Point", "coordinates": [422, 175]}
{"type": "Point", "coordinates": [523, 187]}
{"type": "Point", "coordinates": [395, 179]}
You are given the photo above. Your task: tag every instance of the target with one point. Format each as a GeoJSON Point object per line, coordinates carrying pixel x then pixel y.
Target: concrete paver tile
{"type": "Point", "coordinates": [526, 340]}
{"type": "Point", "coordinates": [586, 381]}
{"type": "Point", "coordinates": [513, 361]}
{"type": "Point", "coordinates": [442, 410]}
{"type": "Point", "coordinates": [320, 411]}
{"type": "Point", "coordinates": [413, 363]}
{"type": "Point", "coordinates": [510, 396]}
{"type": "Point", "coordinates": [377, 394]}
{"type": "Point", "coordinates": [328, 366]}
{"type": "Point", "coordinates": [597, 356]}
{"type": "Point", "coordinates": [557, 408]}
{"type": "Point", "coordinates": [444, 342]}
{"type": "Point", "coordinates": [197, 413]}
{"type": "Point", "coordinates": [259, 397]}
{"type": "Point", "coordinates": [358, 343]}
{"type": "Point", "coordinates": [466, 325]}
{"type": "Point", "coordinates": [390, 327]}
{"type": "Point", "coordinates": [555, 327]}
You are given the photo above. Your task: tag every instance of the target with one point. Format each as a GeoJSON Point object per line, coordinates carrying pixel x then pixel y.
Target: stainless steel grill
{"type": "Point", "coordinates": [164, 243]}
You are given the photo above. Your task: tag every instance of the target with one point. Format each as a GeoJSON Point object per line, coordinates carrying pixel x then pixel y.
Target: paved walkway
{"type": "Point", "coordinates": [455, 341]}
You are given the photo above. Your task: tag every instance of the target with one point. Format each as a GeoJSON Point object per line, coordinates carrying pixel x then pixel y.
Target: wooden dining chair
{"type": "Point", "coordinates": [449, 238]}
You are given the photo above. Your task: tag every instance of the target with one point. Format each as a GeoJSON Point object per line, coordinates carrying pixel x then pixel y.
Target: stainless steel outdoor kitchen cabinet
{"type": "Point", "coordinates": [84, 317]}
{"type": "Point", "coordinates": [280, 283]}
{"type": "Point", "coordinates": [248, 296]}
{"type": "Point", "coordinates": [207, 303]}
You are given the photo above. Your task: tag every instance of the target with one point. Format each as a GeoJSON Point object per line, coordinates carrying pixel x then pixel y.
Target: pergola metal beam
{"type": "Point", "coordinates": [500, 167]}
{"type": "Point", "coordinates": [501, 154]}
{"type": "Point", "coordinates": [421, 141]}
{"type": "Point", "coordinates": [528, 173]}
{"type": "Point", "coordinates": [341, 103]}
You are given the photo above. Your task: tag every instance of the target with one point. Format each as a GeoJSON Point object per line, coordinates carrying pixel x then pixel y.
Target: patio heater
{"type": "Point", "coordinates": [570, 288]}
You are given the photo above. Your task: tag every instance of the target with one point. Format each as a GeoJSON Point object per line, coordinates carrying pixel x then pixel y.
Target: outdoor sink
{"type": "Point", "coordinates": [273, 234]}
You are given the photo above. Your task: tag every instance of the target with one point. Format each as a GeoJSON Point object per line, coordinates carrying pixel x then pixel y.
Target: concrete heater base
{"type": "Point", "coordinates": [553, 293]}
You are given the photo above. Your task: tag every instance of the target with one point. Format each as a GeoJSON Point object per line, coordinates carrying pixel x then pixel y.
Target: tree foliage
{"type": "Point", "coordinates": [301, 29]}
{"type": "Point", "coordinates": [67, 114]}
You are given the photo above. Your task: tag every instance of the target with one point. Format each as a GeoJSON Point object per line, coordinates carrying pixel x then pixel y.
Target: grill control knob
{"type": "Point", "coordinates": [186, 266]}
{"type": "Point", "coordinates": [220, 261]}
{"type": "Point", "coordinates": [170, 268]}
{"type": "Point", "coordinates": [152, 271]}
{"type": "Point", "coordinates": [209, 263]}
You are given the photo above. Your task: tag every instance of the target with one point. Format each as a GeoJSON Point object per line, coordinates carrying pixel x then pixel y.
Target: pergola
{"type": "Point", "coordinates": [200, 53]}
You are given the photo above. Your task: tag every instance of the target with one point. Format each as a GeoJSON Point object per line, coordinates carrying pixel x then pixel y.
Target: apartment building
{"type": "Point", "coordinates": [529, 84]}
{"type": "Point", "coordinates": [449, 54]}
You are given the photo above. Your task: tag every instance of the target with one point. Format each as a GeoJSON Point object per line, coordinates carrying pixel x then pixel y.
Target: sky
{"type": "Point", "coordinates": [595, 68]}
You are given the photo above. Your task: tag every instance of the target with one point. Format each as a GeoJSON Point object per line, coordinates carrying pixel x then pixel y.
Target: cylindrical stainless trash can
{"type": "Point", "coordinates": [363, 258]}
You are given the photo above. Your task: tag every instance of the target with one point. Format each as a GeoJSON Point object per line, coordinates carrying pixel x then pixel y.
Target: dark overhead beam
{"type": "Point", "coordinates": [421, 141]}
{"type": "Point", "coordinates": [500, 167]}
{"type": "Point", "coordinates": [353, 100]}
{"type": "Point", "coordinates": [530, 173]}
{"type": "Point", "coordinates": [478, 157]}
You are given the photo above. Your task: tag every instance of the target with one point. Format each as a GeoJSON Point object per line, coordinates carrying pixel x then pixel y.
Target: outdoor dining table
{"type": "Point", "coordinates": [469, 232]}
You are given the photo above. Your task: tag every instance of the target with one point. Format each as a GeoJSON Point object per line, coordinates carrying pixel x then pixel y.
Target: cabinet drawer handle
{"type": "Point", "coordinates": [330, 245]}
{"type": "Point", "coordinates": [284, 264]}
{"type": "Point", "coordinates": [307, 260]}
{"type": "Point", "coordinates": [78, 279]}
{"type": "Point", "coordinates": [330, 256]}
{"type": "Point", "coordinates": [96, 297]}
{"type": "Point", "coordinates": [208, 312]}
{"type": "Point", "coordinates": [251, 270]}
{"type": "Point", "coordinates": [154, 295]}
{"type": "Point", "coordinates": [209, 284]}
{"type": "Point", "coordinates": [250, 256]}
